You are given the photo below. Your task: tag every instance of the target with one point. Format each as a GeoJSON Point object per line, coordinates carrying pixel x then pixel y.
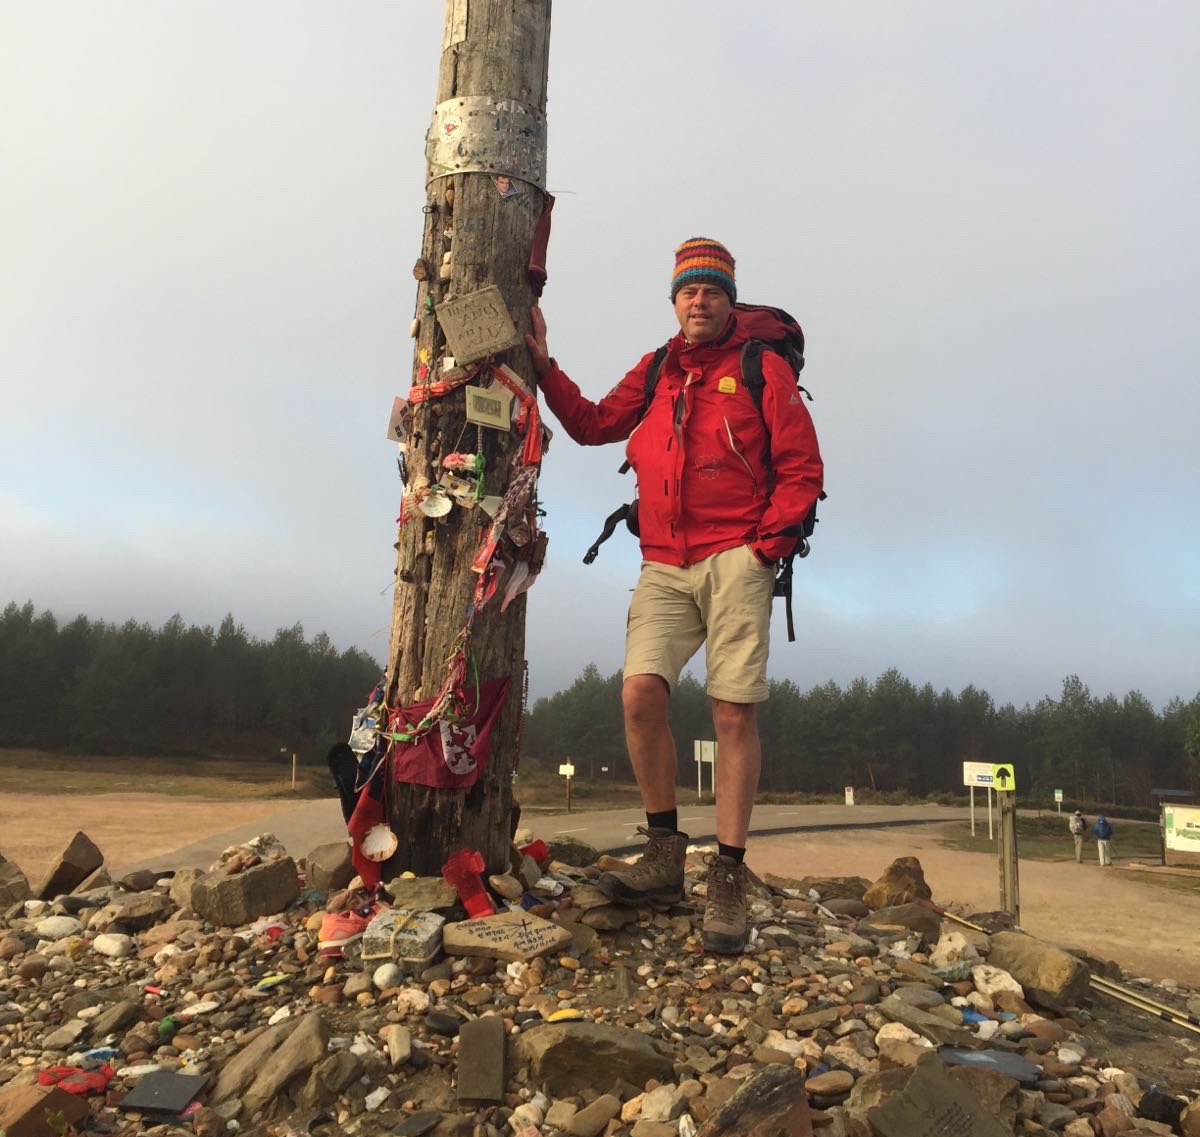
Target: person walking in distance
{"type": "Point", "coordinates": [1077, 823]}
{"type": "Point", "coordinates": [1103, 830]}
{"type": "Point", "coordinates": [723, 486]}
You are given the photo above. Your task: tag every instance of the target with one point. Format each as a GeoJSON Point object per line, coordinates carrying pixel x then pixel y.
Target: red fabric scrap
{"type": "Point", "coordinates": [77, 1080]}
{"type": "Point", "coordinates": [450, 755]}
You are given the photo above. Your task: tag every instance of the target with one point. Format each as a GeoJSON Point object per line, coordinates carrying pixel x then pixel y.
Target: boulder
{"type": "Point", "coordinates": [572, 851]}
{"type": "Point", "coordinates": [14, 887]}
{"type": "Point", "coordinates": [73, 866]}
{"type": "Point", "coordinates": [569, 1057]}
{"type": "Point", "coordinates": [230, 900]}
{"type": "Point", "coordinates": [1033, 963]}
{"type": "Point", "coordinates": [826, 887]}
{"type": "Point", "coordinates": [903, 881]}
{"type": "Point", "coordinates": [299, 1053]}
{"type": "Point", "coordinates": [915, 917]}
{"type": "Point", "coordinates": [422, 893]}
{"type": "Point", "coordinates": [329, 867]}
{"type": "Point", "coordinates": [770, 1103]}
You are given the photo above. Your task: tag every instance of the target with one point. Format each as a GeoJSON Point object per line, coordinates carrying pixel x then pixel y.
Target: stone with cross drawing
{"type": "Point", "coordinates": [507, 935]}
{"type": "Point", "coordinates": [933, 1104]}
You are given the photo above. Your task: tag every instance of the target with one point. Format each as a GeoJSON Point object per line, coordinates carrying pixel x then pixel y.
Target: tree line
{"type": "Point", "coordinates": [893, 736]}
{"type": "Point", "coordinates": [97, 687]}
{"type": "Point", "coordinates": [102, 688]}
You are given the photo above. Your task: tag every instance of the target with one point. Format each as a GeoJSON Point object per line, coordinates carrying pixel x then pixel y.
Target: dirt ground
{"type": "Point", "coordinates": [1114, 913]}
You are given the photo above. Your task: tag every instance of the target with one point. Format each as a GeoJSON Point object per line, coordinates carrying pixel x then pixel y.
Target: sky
{"type": "Point", "coordinates": [985, 215]}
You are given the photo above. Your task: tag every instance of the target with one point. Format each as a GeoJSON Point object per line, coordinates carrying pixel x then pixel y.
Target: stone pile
{"type": "Point", "coordinates": [202, 1003]}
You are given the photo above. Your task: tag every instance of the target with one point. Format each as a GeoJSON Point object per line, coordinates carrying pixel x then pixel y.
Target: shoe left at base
{"type": "Point", "coordinates": [725, 929]}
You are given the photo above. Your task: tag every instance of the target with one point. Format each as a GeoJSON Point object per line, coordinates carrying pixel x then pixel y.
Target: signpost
{"type": "Point", "coordinates": [567, 770]}
{"type": "Point", "coordinates": [1006, 790]}
{"type": "Point", "coordinates": [1058, 796]}
{"type": "Point", "coordinates": [706, 751]}
{"type": "Point", "coordinates": [979, 774]}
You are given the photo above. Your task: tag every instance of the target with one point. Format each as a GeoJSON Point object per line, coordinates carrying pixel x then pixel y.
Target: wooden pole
{"type": "Point", "coordinates": [493, 64]}
{"type": "Point", "coordinates": [1010, 900]}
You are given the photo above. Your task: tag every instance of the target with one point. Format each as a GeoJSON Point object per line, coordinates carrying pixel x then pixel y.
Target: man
{"type": "Point", "coordinates": [1078, 827]}
{"type": "Point", "coordinates": [1104, 831]}
{"type": "Point", "coordinates": [723, 486]}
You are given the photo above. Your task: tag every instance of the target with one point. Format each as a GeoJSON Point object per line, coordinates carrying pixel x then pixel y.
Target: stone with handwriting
{"type": "Point", "coordinates": [507, 935]}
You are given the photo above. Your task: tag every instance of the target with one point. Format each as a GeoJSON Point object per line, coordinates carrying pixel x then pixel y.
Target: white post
{"type": "Point", "coordinates": [699, 770]}
{"type": "Point", "coordinates": [972, 789]}
{"type": "Point", "coordinates": [990, 837]}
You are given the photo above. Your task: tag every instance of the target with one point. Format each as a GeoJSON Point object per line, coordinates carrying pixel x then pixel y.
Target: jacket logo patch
{"type": "Point", "coordinates": [727, 385]}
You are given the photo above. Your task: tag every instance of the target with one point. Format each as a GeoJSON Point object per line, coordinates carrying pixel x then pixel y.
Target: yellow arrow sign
{"type": "Point", "coordinates": [1003, 778]}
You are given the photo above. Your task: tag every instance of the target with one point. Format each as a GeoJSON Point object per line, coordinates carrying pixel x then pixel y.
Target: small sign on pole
{"type": "Point", "coordinates": [849, 795]}
{"type": "Point", "coordinates": [1058, 798]}
{"type": "Point", "coordinates": [979, 774]}
{"type": "Point", "coordinates": [567, 770]}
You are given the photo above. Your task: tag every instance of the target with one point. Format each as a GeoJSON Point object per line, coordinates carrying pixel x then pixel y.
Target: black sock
{"type": "Point", "coordinates": [732, 852]}
{"type": "Point", "coordinates": [666, 819]}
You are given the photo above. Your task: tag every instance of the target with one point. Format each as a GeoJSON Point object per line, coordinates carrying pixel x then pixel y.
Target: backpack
{"type": "Point", "coordinates": [771, 329]}
{"type": "Point", "coordinates": [1078, 824]}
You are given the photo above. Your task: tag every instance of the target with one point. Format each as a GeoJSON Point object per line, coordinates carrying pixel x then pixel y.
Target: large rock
{"type": "Point", "coordinates": [934, 1102]}
{"type": "Point", "coordinates": [14, 887]}
{"type": "Point", "coordinates": [329, 867]}
{"type": "Point", "coordinates": [1033, 963]}
{"type": "Point", "coordinates": [422, 893]}
{"type": "Point", "coordinates": [826, 887]}
{"type": "Point", "coordinates": [924, 1023]}
{"type": "Point", "coordinates": [572, 851]}
{"type": "Point", "coordinates": [132, 912]}
{"type": "Point", "coordinates": [570, 1057]}
{"type": "Point", "coordinates": [916, 917]}
{"type": "Point", "coordinates": [230, 900]}
{"type": "Point", "coordinates": [74, 865]}
{"type": "Point", "coordinates": [300, 1052]}
{"type": "Point", "coordinates": [243, 1067]}
{"type": "Point", "coordinates": [771, 1103]}
{"type": "Point", "coordinates": [25, 1111]}
{"type": "Point", "coordinates": [903, 881]}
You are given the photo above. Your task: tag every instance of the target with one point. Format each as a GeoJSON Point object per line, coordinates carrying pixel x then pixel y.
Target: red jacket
{"type": "Point", "coordinates": [705, 483]}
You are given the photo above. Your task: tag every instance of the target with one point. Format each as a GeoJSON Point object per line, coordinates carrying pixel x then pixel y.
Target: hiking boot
{"type": "Point", "coordinates": [725, 906]}
{"type": "Point", "coordinates": [657, 875]}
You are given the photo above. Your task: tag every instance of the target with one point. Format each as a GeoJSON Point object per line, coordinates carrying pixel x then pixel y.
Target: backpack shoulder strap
{"type": "Point", "coordinates": [651, 381]}
{"type": "Point", "coordinates": [652, 374]}
{"type": "Point", "coordinates": [752, 370]}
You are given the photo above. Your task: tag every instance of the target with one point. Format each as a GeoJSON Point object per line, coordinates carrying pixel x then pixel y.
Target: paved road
{"type": "Point", "coordinates": [319, 822]}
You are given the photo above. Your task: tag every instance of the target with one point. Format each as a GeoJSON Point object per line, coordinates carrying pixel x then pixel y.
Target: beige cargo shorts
{"type": "Point", "coordinates": [723, 602]}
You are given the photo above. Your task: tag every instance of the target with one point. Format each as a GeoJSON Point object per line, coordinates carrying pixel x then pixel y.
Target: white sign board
{"type": "Point", "coordinates": [1181, 828]}
{"type": "Point", "coordinates": [978, 774]}
{"type": "Point", "coordinates": [706, 751]}
{"type": "Point", "coordinates": [849, 795]}
{"type": "Point", "coordinates": [1058, 795]}
{"type": "Point", "coordinates": [567, 770]}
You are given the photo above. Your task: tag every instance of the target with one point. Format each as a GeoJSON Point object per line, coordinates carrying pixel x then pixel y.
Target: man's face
{"type": "Point", "coordinates": [702, 310]}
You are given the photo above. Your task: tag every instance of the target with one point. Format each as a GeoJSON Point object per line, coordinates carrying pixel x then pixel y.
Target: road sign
{"type": "Point", "coordinates": [1058, 795]}
{"type": "Point", "coordinates": [1003, 778]}
{"type": "Point", "coordinates": [977, 774]}
{"type": "Point", "coordinates": [567, 770]}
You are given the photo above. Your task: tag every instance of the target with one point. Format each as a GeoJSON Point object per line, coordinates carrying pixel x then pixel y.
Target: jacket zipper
{"type": "Point", "coordinates": [739, 455]}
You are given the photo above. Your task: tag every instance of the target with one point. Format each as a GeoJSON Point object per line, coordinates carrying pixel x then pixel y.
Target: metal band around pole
{"type": "Point", "coordinates": [479, 134]}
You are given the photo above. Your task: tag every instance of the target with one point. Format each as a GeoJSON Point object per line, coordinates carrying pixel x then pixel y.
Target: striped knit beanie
{"type": "Point", "coordinates": [702, 261]}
